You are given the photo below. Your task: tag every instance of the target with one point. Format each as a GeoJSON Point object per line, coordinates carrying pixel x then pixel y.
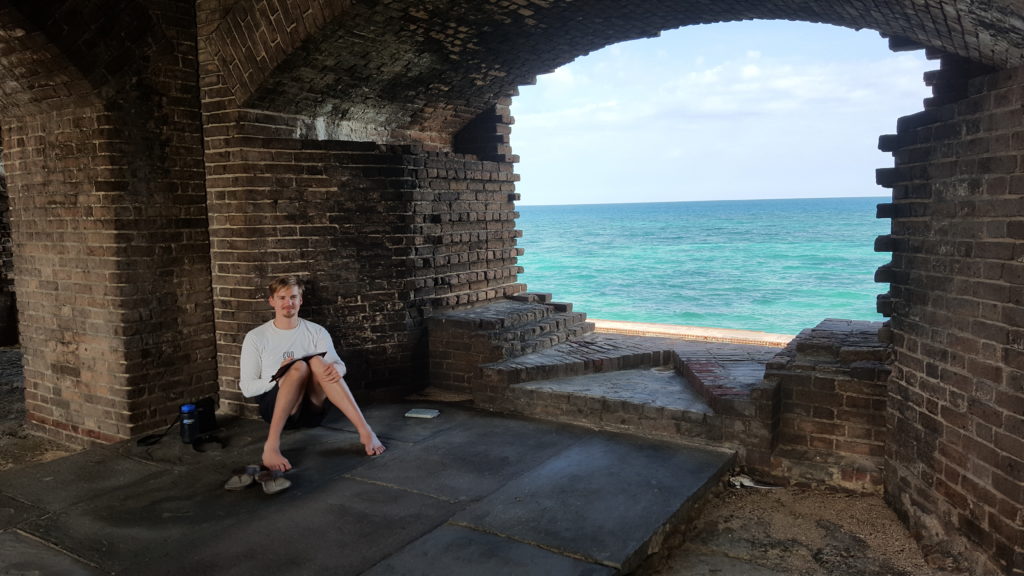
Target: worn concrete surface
{"type": "Point", "coordinates": [661, 386]}
{"type": "Point", "coordinates": [465, 493]}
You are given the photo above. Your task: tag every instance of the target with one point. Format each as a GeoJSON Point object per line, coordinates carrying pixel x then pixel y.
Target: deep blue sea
{"type": "Point", "coordinates": [768, 265]}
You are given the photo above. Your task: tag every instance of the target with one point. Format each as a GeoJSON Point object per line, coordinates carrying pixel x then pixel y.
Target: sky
{"type": "Point", "coordinates": [732, 111]}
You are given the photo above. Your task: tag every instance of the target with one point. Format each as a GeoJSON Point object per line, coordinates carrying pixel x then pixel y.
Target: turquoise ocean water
{"type": "Point", "coordinates": [768, 265]}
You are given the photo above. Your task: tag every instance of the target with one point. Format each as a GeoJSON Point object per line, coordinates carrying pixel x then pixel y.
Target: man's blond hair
{"type": "Point", "coordinates": [282, 282]}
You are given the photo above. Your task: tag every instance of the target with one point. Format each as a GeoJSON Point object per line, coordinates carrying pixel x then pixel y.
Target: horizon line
{"type": "Point", "coordinates": [696, 201]}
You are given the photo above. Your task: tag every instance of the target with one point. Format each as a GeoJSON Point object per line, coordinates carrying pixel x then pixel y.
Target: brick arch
{"type": "Point", "coordinates": [77, 53]}
{"type": "Point", "coordinates": [404, 71]}
{"type": "Point", "coordinates": [35, 72]}
{"type": "Point", "coordinates": [253, 37]}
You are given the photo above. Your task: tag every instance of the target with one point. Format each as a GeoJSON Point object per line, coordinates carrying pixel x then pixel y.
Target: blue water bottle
{"type": "Point", "coordinates": [188, 423]}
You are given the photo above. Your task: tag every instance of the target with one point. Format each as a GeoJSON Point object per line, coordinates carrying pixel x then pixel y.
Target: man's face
{"type": "Point", "coordinates": [286, 302]}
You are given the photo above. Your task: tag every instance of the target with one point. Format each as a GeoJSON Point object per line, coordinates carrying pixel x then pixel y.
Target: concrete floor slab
{"type": "Point", "coordinates": [76, 478]}
{"type": "Point", "coordinates": [159, 517]}
{"type": "Point", "coordinates": [601, 499]}
{"type": "Point", "coordinates": [20, 554]}
{"type": "Point", "coordinates": [167, 516]}
{"type": "Point", "coordinates": [459, 551]}
{"type": "Point", "coordinates": [390, 423]}
{"type": "Point", "coordinates": [545, 493]}
{"type": "Point", "coordinates": [463, 463]}
{"type": "Point", "coordinates": [14, 512]}
{"type": "Point", "coordinates": [343, 528]}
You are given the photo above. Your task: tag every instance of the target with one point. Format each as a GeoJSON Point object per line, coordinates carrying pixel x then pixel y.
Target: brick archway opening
{"type": "Point", "coordinates": [430, 85]}
{"type": "Point", "coordinates": [576, 156]}
{"type": "Point", "coordinates": [429, 82]}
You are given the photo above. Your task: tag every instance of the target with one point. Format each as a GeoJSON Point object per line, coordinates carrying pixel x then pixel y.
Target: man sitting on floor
{"type": "Point", "coordinates": [314, 374]}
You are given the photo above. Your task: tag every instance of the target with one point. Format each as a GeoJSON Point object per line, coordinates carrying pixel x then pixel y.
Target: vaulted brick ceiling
{"type": "Point", "coordinates": [422, 65]}
{"type": "Point", "coordinates": [53, 54]}
{"type": "Point", "coordinates": [431, 66]}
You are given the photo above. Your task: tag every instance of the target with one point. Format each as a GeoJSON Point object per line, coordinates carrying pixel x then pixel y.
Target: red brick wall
{"type": "Point", "coordinates": [109, 223]}
{"type": "Point", "coordinates": [955, 455]}
{"type": "Point", "coordinates": [832, 424]}
{"type": "Point", "coordinates": [385, 234]}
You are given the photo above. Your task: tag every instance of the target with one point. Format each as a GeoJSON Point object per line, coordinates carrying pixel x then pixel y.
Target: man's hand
{"type": "Point", "coordinates": [329, 374]}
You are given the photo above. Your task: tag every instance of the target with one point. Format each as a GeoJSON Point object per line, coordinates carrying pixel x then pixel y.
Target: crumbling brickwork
{"type": "Point", "coordinates": [832, 383]}
{"type": "Point", "coordinates": [955, 451]}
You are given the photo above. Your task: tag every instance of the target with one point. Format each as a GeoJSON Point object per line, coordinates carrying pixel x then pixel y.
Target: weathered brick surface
{"type": "Point", "coordinates": [109, 224]}
{"type": "Point", "coordinates": [399, 70]}
{"type": "Point", "coordinates": [385, 234]}
{"type": "Point", "coordinates": [954, 454]}
{"type": "Point", "coordinates": [832, 426]}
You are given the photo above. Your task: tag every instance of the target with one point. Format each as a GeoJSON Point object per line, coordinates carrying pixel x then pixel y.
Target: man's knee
{"type": "Point", "coordinates": [317, 363]}
{"type": "Point", "coordinates": [296, 376]}
{"type": "Point", "coordinates": [299, 368]}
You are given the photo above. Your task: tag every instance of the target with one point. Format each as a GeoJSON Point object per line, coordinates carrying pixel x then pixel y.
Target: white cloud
{"type": "Point", "coordinates": [569, 116]}
{"type": "Point", "coordinates": [651, 118]}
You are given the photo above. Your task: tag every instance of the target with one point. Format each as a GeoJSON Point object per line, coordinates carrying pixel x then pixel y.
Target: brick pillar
{"type": "Point", "coordinates": [954, 466]}
{"type": "Point", "coordinates": [103, 156]}
{"type": "Point", "coordinates": [832, 427]}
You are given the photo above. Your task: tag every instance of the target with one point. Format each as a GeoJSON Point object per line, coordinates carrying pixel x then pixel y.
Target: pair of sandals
{"type": "Point", "coordinates": [273, 481]}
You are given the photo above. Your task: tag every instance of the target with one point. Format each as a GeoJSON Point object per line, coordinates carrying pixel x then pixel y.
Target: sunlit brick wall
{"type": "Point", "coordinates": [955, 452]}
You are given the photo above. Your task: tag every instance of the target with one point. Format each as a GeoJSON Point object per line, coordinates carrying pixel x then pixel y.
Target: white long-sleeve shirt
{"type": "Point", "coordinates": [266, 345]}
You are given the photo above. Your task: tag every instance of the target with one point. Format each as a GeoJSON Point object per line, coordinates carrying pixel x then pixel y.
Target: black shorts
{"type": "Point", "coordinates": [308, 416]}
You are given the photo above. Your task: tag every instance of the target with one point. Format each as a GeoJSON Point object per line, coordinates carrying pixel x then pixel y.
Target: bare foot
{"type": "Point", "coordinates": [373, 445]}
{"type": "Point", "coordinates": [274, 460]}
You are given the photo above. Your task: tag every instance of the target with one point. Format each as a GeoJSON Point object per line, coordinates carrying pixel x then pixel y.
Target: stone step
{"type": "Point", "coordinates": [589, 354]}
{"type": "Point", "coordinates": [462, 341]}
{"type": "Point", "coordinates": [652, 402]}
{"type": "Point", "coordinates": [517, 327]}
{"type": "Point", "coordinates": [554, 329]}
{"type": "Point", "coordinates": [532, 297]}
{"type": "Point", "coordinates": [682, 391]}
